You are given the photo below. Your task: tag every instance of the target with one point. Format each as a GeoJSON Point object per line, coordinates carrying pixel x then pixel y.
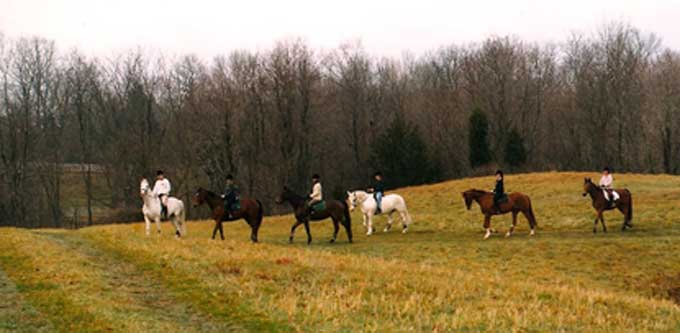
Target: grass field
{"type": "Point", "coordinates": [441, 276]}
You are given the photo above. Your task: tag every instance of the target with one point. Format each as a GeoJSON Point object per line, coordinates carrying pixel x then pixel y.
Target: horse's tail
{"type": "Point", "coordinates": [531, 214]}
{"type": "Point", "coordinates": [260, 212]}
{"type": "Point", "coordinates": [629, 216]}
{"type": "Point", "coordinates": [407, 216]}
{"type": "Point", "coordinates": [347, 220]}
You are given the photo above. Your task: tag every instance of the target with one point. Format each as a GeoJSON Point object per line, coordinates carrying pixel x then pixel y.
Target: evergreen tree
{"type": "Point", "coordinates": [479, 145]}
{"type": "Point", "coordinates": [515, 152]}
{"type": "Point", "coordinates": [401, 154]}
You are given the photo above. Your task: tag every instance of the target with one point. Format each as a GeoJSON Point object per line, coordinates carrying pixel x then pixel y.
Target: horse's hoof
{"type": "Point", "coordinates": [594, 230]}
{"type": "Point", "coordinates": [290, 240]}
{"type": "Point", "coordinates": [332, 241]}
{"type": "Point", "coordinates": [532, 232]}
{"type": "Point", "coordinates": [486, 236]}
{"type": "Point", "coordinates": [507, 234]}
{"type": "Point", "coordinates": [404, 231]}
{"type": "Point", "coordinates": [386, 230]}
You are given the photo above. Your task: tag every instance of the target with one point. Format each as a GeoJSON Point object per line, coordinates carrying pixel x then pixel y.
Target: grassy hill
{"type": "Point", "coordinates": [441, 276]}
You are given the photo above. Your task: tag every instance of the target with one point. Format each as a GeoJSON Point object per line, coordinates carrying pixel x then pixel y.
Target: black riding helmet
{"type": "Point", "coordinates": [159, 172]}
{"type": "Point", "coordinates": [606, 169]}
{"type": "Point", "coordinates": [377, 173]}
{"type": "Point", "coordinates": [316, 176]}
{"type": "Point", "coordinates": [499, 172]}
{"type": "Point", "coordinates": [230, 177]}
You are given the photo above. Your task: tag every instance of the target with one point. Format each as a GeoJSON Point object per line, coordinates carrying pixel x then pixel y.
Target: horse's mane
{"type": "Point", "coordinates": [477, 191]}
{"type": "Point", "coordinates": [294, 195]}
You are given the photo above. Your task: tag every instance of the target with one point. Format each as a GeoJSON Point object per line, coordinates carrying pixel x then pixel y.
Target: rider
{"type": "Point", "coordinates": [378, 190]}
{"type": "Point", "coordinates": [499, 190]}
{"type": "Point", "coordinates": [607, 186]}
{"type": "Point", "coordinates": [230, 196]}
{"type": "Point", "coordinates": [317, 194]}
{"type": "Point", "coordinates": [162, 189]}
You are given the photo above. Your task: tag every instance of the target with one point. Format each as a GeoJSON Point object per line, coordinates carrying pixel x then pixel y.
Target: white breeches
{"type": "Point", "coordinates": [606, 195]}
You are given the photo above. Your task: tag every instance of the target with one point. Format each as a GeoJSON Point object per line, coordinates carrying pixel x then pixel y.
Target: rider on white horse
{"type": "Point", "coordinates": [162, 189]}
{"type": "Point", "coordinates": [368, 205]}
{"type": "Point", "coordinates": [152, 209]}
{"type": "Point", "coordinates": [607, 185]}
{"type": "Point", "coordinates": [378, 190]}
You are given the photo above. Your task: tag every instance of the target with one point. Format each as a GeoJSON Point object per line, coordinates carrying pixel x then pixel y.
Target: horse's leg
{"type": "Point", "coordinates": [292, 230]}
{"type": "Point", "coordinates": [221, 231]}
{"type": "Point", "coordinates": [604, 226]}
{"type": "Point", "coordinates": [370, 225]}
{"type": "Point", "coordinates": [364, 216]}
{"type": "Point", "coordinates": [158, 224]}
{"type": "Point", "coordinates": [215, 229]}
{"type": "Point", "coordinates": [389, 222]}
{"type": "Point", "coordinates": [514, 224]}
{"type": "Point", "coordinates": [336, 227]}
{"type": "Point", "coordinates": [254, 227]}
{"type": "Point", "coordinates": [624, 211]}
{"type": "Point", "coordinates": [148, 225]}
{"type": "Point", "coordinates": [348, 228]}
{"type": "Point", "coordinates": [487, 225]}
{"type": "Point", "coordinates": [309, 234]}
{"type": "Point", "coordinates": [404, 220]}
{"type": "Point", "coordinates": [177, 227]}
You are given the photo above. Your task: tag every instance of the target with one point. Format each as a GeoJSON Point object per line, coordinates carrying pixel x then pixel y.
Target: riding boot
{"type": "Point", "coordinates": [164, 212]}
{"type": "Point", "coordinates": [378, 210]}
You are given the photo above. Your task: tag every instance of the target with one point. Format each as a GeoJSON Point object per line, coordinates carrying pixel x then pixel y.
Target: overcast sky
{"type": "Point", "coordinates": [385, 27]}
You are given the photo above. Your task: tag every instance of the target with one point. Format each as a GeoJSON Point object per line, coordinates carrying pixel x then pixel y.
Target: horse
{"type": "Point", "coordinates": [251, 211]}
{"type": "Point", "coordinates": [624, 204]}
{"type": "Point", "coordinates": [337, 210]}
{"type": "Point", "coordinates": [389, 204]}
{"type": "Point", "coordinates": [516, 202]}
{"type": "Point", "coordinates": [152, 211]}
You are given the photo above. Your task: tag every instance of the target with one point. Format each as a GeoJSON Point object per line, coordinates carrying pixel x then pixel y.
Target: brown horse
{"type": "Point", "coordinates": [337, 210]}
{"type": "Point", "coordinates": [251, 211]}
{"type": "Point", "coordinates": [515, 203]}
{"type": "Point", "coordinates": [624, 204]}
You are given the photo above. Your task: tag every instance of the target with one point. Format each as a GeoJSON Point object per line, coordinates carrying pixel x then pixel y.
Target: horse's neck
{"type": "Point", "coordinates": [296, 201]}
{"type": "Point", "coordinates": [362, 196]}
{"type": "Point", "coordinates": [213, 200]}
{"type": "Point", "coordinates": [150, 200]}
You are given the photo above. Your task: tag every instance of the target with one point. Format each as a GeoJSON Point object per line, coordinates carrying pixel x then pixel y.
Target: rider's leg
{"type": "Point", "coordinates": [378, 200]}
{"type": "Point", "coordinates": [164, 206]}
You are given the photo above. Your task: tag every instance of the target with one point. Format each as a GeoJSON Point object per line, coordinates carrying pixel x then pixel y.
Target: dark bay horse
{"type": "Point", "coordinates": [515, 203]}
{"type": "Point", "coordinates": [251, 211]}
{"type": "Point", "coordinates": [337, 210]}
{"type": "Point", "coordinates": [624, 204]}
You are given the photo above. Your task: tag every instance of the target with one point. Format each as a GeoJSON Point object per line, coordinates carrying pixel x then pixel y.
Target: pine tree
{"type": "Point", "coordinates": [478, 141]}
{"type": "Point", "coordinates": [515, 152]}
{"type": "Point", "coordinates": [401, 154]}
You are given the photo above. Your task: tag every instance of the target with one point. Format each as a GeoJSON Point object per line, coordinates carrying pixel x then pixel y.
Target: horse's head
{"type": "Point", "coordinates": [588, 186]}
{"type": "Point", "coordinates": [468, 196]}
{"type": "Point", "coordinates": [144, 187]}
{"type": "Point", "coordinates": [199, 197]}
{"type": "Point", "coordinates": [351, 200]}
{"type": "Point", "coordinates": [286, 194]}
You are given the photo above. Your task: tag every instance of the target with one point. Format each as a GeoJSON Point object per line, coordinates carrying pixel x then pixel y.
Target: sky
{"type": "Point", "coordinates": [384, 27]}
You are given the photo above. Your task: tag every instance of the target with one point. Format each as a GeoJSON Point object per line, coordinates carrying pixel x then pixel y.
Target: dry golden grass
{"type": "Point", "coordinates": [441, 276]}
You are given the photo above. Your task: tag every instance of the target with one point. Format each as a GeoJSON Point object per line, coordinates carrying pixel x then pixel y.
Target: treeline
{"type": "Point", "coordinates": [277, 116]}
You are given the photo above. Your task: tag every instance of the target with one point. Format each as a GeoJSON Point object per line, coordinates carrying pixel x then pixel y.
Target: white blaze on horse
{"type": "Point", "coordinates": [389, 204]}
{"type": "Point", "coordinates": [152, 210]}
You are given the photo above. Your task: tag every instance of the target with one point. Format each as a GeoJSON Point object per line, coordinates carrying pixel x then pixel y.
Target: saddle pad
{"type": "Point", "coordinates": [236, 206]}
{"type": "Point", "coordinates": [321, 205]}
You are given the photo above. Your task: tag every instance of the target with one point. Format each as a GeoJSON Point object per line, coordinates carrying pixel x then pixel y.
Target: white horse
{"type": "Point", "coordinates": [389, 204]}
{"type": "Point", "coordinates": [152, 211]}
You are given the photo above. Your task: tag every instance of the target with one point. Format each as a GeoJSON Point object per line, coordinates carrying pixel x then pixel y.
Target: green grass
{"type": "Point", "coordinates": [441, 276]}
